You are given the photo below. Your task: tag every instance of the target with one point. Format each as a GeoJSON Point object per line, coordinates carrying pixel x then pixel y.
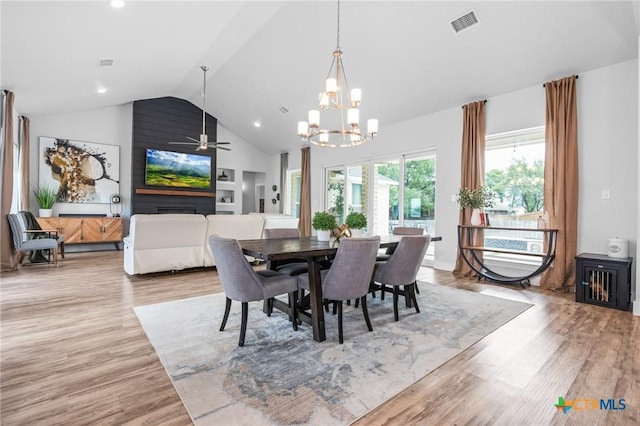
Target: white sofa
{"type": "Point", "coordinates": [172, 242]}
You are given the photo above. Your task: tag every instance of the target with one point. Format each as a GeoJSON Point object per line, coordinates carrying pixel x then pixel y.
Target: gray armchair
{"type": "Point", "coordinates": [349, 275]}
{"type": "Point", "coordinates": [22, 241]}
{"type": "Point", "coordinates": [402, 269]}
{"type": "Point", "coordinates": [243, 284]}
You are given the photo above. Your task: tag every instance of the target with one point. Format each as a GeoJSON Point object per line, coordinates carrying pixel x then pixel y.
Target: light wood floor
{"type": "Point", "coordinates": [74, 353]}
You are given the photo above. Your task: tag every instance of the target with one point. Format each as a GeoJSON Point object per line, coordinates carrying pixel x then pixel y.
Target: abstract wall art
{"type": "Point", "coordinates": [83, 172]}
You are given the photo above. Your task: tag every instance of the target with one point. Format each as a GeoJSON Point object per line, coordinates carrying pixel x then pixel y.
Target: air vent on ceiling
{"type": "Point", "coordinates": [284, 109]}
{"type": "Point", "coordinates": [464, 22]}
{"type": "Point", "coordinates": [105, 62]}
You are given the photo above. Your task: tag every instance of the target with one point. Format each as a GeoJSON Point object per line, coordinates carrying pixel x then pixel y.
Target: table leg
{"type": "Point", "coordinates": [315, 292]}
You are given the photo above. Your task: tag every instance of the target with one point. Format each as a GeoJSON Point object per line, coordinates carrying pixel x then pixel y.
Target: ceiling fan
{"type": "Point", "coordinates": [203, 143]}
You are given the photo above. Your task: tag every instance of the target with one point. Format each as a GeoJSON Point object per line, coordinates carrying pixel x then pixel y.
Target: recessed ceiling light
{"type": "Point", "coordinates": [116, 3]}
{"type": "Point", "coordinates": [101, 90]}
{"type": "Point", "coordinates": [256, 123]}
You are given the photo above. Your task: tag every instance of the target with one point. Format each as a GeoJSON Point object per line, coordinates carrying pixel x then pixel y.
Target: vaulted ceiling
{"type": "Point", "coordinates": [266, 55]}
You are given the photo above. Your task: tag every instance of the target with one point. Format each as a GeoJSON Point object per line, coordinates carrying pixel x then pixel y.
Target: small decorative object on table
{"type": "Point", "coordinates": [356, 221]}
{"type": "Point", "coordinates": [324, 223]}
{"type": "Point", "coordinates": [46, 197]}
{"type": "Point", "coordinates": [476, 199]}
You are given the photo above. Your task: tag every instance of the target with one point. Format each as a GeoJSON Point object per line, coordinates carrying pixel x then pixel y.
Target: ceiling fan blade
{"type": "Point", "coordinates": [220, 143]}
{"type": "Point", "coordinates": [183, 143]}
{"type": "Point", "coordinates": [195, 140]}
{"type": "Point", "coordinates": [218, 147]}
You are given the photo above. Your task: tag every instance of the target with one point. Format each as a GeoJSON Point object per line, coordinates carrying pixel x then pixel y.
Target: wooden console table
{"type": "Point", "coordinates": [472, 254]}
{"type": "Point", "coordinates": [85, 230]}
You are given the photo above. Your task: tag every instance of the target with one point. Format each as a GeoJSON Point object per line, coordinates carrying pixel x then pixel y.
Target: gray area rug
{"type": "Point", "coordinates": [285, 377]}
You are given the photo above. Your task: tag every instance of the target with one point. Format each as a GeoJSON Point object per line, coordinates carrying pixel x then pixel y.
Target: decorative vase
{"type": "Point", "coordinates": [356, 233]}
{"type": "Point", "coordinates": [324, 235]}
{"type": "Point", "coordinates": [476, 220]}
{"type": "Point", "coordinates": [45, 212]}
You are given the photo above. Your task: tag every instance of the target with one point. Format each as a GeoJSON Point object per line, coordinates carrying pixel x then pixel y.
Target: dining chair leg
{"type": "Point", "coordinates": [340, 338]}
{"type": "Point", "coordinates": [243, 324]}
{"type": "Point", "coordinates": [395, 303]}
{"type": "Point", "coordinates": [415, 284]}
{"type": "Point", "coordinates": [414, 288]}
{"type": "Point", "coordinates": [365, 311]}
{"type": "Point", "coordinates": [227, 308]}
{"type": "Point", "coordinates": [293, 303]}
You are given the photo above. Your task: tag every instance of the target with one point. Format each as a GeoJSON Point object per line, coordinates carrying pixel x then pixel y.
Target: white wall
{"type": "Point", "coordinates": [246, 157]}
{"type": "Point", "coordinates": [110, 126]}
{"type": "Point", "coordinates": [608, 149]}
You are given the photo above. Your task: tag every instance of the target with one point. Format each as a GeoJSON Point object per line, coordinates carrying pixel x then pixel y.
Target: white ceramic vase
{"type": "Point", "coordinates": [45, 212]}
{"type": "Point", "coordinates": [475, 218]}
{"type": "Point", "coordinates": [324, 235]}
{"type": "Point", "coordinates": [356, 233]}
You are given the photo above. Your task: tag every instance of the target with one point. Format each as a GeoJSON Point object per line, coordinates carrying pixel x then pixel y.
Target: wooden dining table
{"type": "Point", "coordinates": [314, 251]}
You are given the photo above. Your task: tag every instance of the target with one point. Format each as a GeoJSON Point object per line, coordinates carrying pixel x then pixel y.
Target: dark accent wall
{"type": "Point", "coordinates": [156, 122]}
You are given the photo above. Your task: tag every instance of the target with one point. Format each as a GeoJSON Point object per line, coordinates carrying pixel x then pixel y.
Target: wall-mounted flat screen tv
{"type": "Point", "coordinates": [177, 169]}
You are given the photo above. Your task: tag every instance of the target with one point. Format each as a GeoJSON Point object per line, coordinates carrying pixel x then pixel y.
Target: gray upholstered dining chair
{"type": "Point", "coordinates": [398, 230]}
{"type": "Point", "coordinates": [22, 241]}
{"type": "Point", "coordinates": [349, 275]}
{"type": "Point", "coordinates": [243, 284]}
{"type": "Point", "coordinates": [402, 269]}
{"type": "Point", "coordinates": [290, 267]}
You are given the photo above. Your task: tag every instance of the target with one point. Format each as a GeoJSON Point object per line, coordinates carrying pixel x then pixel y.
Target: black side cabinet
{"type": "Point", "coordinates": [603, 280]}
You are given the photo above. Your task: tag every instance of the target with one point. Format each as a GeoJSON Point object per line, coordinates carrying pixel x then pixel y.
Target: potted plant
{"type": "Point", "coordinates": [356, 221]}
{"type": "Point", "coordinates": [475, 199]}
{"type": "Point", "coordinates": [46, 197]}
{"type": "Point", "coordinates": [324, 223]}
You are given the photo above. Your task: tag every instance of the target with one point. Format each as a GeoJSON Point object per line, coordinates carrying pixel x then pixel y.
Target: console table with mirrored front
{"type": "Point", "coordinates": [472, 253]}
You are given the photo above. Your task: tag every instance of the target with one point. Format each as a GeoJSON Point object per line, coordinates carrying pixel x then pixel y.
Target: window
{"type": "Point", "coordinates": [514, 169]}
{"type": "Point", "coordinates": [293, 192]}
{"type": "Point", "coordinates": [393, 192]}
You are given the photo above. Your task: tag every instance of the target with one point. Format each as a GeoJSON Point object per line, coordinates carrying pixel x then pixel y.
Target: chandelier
{"type": "Point", "coordinates": [343, 105]}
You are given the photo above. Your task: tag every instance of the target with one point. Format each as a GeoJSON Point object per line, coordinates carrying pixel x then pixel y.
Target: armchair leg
{"type": "Point", "coordinates": [243, 324]}
{"type": "Point", "coordinates": [55, 256]}
{"type": "Point", "coordinates": [227, 308]}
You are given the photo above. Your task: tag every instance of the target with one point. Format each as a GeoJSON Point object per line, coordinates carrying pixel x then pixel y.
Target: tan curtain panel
{"type": "Point", "coordinates": [561, 180]}
{"type": "Point", "coordinates": [305, 194]}
{"type": "Point", "coordinates": [472, 169]}
{"type": "Point", "coordinates": [7, 253]}
{"type": "Point", "coordinates": [24, 163]}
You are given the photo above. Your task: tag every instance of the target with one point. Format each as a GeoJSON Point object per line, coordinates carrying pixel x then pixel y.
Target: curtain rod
{"type": "Point", "coordinates": [576, 76]}
{"type": "Point", "coordinates": [483, 101]}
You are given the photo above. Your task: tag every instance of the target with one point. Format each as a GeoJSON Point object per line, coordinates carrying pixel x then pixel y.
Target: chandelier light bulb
{"type": "Point", "coordinates": [356, 97]}
{"type": "Point", "coordinates": [303, 128]}
{"type": "Point", "coordinates": [324, 101]}
{"type": "Point", "coordinates": [353, 117]}
{"type": "Point", "coordinates": [372, 126]}
{"type": "Point", "coordinates": [331, 87]}
{"type": "Point", "coordinates": [324, 137]}
{"type": "Point", "coordinates": [314, 118]}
